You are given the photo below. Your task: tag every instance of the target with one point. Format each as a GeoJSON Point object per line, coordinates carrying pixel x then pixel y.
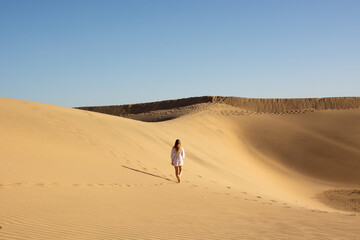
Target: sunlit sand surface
{"type": "Point", "coordinates": [254, 169]}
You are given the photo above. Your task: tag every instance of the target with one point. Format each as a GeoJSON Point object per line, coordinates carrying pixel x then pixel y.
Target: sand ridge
{"type": "Point", "coordinates": [170, 109]}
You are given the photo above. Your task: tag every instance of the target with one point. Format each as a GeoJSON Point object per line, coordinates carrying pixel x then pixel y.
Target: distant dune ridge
{"type": "Point", "coordinates": [257, 105]}
{"type": "Point", "coordinates": [254, 169]}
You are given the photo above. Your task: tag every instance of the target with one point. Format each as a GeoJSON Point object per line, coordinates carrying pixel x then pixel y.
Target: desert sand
{"type": "Point", "coordinates": [254, 169]}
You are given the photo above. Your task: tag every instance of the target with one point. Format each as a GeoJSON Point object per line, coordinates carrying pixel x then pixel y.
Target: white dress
{"type": "Point", "coordinates": [177, 158]}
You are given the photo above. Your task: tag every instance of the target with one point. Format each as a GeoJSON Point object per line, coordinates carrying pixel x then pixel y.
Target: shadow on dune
{"type": "Point", "coordinates": [155, 118]}
{"type": "Point", "coordinates": [154, 175]}
{"type": "Point", "coordinates": [323, 145]}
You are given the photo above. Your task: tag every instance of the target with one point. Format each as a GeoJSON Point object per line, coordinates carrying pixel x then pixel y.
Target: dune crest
{"type": "Point", "coordinates": [257, 105]}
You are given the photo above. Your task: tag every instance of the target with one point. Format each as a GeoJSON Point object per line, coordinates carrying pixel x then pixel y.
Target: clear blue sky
{"type": "Point", "coordinates": [84, 52]}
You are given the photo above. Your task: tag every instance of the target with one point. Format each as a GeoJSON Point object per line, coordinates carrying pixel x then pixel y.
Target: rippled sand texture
{"type": "Point", "coordinates": [254, 169]}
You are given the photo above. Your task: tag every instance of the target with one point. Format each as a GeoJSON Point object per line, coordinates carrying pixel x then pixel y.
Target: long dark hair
{"type": "Point", "coordinates": [177, 145]}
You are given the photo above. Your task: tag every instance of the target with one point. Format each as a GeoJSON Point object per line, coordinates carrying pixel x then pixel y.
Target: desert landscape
{"type": "Point", "coordinates": [254, 169]}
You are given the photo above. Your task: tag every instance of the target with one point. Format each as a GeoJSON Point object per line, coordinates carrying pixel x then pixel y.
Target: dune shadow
{"type": "Point", "coordinates": [154, 175]}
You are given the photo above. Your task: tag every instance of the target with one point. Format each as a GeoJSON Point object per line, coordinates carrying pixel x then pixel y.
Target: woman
{"type": "Point", "coordinates": [177, 158]}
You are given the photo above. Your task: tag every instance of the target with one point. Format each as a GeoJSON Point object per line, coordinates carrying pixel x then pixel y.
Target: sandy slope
{"type": "Point", "coordinates": [73, 174]}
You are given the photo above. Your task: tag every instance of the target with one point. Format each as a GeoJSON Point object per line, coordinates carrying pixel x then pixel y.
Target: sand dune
{"type": "Point", "coordinates": [180, 107]}
{"type": "Point", "coordinates": [255, 169]}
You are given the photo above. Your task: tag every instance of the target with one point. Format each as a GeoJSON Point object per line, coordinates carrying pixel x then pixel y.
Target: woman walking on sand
{"type": "Point", "coordinates": [177, 158]}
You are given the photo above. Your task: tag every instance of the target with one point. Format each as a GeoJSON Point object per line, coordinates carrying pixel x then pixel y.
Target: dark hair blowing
{"type": "Point", "coordinates": [177, 145]}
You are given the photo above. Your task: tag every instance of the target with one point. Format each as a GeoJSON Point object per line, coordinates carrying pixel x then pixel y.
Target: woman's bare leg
{"type": "Point", "coordinates": [176, 170]}
{"type": "Point", "coordinates": [177, 173]}
{"type": "Point", "coordinates": [180, 170]}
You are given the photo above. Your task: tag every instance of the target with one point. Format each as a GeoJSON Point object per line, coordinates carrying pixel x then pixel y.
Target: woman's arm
{"type": "Point", "coordinates": [172, 154]}
{"type": "Point", "coordinates": [182, 152]}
